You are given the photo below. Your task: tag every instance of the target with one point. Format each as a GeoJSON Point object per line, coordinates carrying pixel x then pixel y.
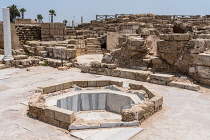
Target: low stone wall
{"type": "Point", "coordinates": [141, 112]}
{"type": "Point", "coordinates": [57, 52]}
{"type": "Point", "coordinates": [63, 118]}
{"type": "Point", "coordinates": [52, 114]}
{"type": "Point", "coordinates": [139, 75]}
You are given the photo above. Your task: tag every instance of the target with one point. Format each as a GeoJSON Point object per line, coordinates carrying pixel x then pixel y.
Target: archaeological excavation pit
{"type": "Point", "coordinates": [93, 104]}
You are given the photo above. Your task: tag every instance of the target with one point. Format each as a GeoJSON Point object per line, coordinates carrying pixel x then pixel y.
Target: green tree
{"type": "Point", "coordinates": [52, 13]}
{"type": "Point", "coordinates": [39, 17]}
{"type": "Point", "coordinates": [22, 11]}
{"type": "Point", "coordinates": [14, 12]}
{"type": "Point", "coordinates": [65, 21]}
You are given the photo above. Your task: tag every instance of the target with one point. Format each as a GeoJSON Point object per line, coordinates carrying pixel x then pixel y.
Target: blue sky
{"type": "Point", "coordinates": [67, 9]}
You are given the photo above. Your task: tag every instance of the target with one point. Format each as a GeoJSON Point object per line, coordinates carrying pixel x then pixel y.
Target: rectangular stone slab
{"type": "Point", "coordinates": [107, 134]}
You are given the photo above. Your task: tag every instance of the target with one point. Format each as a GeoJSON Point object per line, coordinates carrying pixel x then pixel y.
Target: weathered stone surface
{"type": "Point", "coordinates": [162, 77]}
{"type": "Point", "coordinates": [201, 59]}
{"type": "Point", "coordinates": [185, 85]}
{"type": "Point", "coordinates": [64, 115]}
{"type": "Point", "coordinates": [142, 75]}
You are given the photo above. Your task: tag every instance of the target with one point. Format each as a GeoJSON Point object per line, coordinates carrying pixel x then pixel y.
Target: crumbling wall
{"type": "Point", "coordinates": [131, 53]}
{"type": "Point", "coordinates": [28, 32]}
{"type": "Point", "coordinates": [188, 54]}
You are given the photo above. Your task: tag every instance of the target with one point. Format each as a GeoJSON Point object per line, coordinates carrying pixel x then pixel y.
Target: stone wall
{"type": "Point", "coordinates": [14, 38]}
{"type": "Point", "coordinates": [53, 31]}
{"type": "Point", "coordinates": [28, 32]}
{"type": "Point", "coordinates": [188, 54]}
{"type": "Point", "coordinates": [130, 53]}
{"type": "Point", "coordinates": [138, 75]}
{"type": "Point", "coordinates": [24, 21]}
{"type": "Point", "coordinates": [143, 111]}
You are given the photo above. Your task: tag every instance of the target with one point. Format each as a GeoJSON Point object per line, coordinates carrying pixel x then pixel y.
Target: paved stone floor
{"type": "Point", "coordinates": [185, 114]}
{"type": "Point", "coordinates": [96, 115]}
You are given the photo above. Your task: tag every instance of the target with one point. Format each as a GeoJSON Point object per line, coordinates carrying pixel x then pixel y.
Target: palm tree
{"type": "Point", "coordinates": [65, 21]}
{"type": "Point", "coordinates": [39, 17]}
{"type": "Point", "coordinates": [52, 13]}
{"type": "Point", "coordinates": [14, 12]}
{"type": "Point", "coordinates": [22, 11]}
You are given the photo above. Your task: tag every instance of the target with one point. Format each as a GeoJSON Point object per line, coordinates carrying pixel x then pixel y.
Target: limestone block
{"type": "Point", "coordinates": [128, 74]}
{"type": "Point", "coordinates": [135, 86]}
{"type": "Point", "coordinates": [50, 111]}
{"type": "Point", "coordinates": [64, 125]}
{"type": "Point", "coordinates": [92, 83]}
{"type": "Point", "coordinates": [19, 57]}
{"type": "Point", "coordinates": [64, 115]}
{"type": "Point", "coordinates": [184, 85]}
{"type": "Point", "coordinates": [101, 71]}
{"type": "Point", "coordinates": [137, 42]}
{"type": "Point", "coordinates": [53, 122]}
{"type": "Point", "coordinates": [59, 87]}
{"type": "Point", "coordinates": [26, 62]}
{"type": "Point", "coordinates": [85, 69]}
{"type": "Point", "coordinates": [117, 83]}
{"type": "Point", "coordinates": [67, 85]}
{"type": "Point", "coordinates": [204, 81]}
{"type": "Point", "coordinates": [108, 72]}
{"type": "Point", "coordinates": [198, 46]}
{"type": "Point", "coordinates": [142, 75]}
{"type": "Point", "coordinates": [103, 83]}
{"type": "Point", "coordinates": [128, 115]}
{"type": "Point", "coordinates": [155, 81]}
{"type": "Point", "coordinates": [45, 31]}
{"type": "Point", "coordinates": [201, 59]}
{"type": "Point", "coordinates": [70, 53]}
{"type": "Point", "coordinates": [157, 61]}
{"type": "Point", "coordinates": [116, 72]}
{"type": "Point", "coordinates": [162, 77]}
{"type": "Point", "coordinates": [112, 66]}
{"type": "Point", "coordinates": [43, 53]}
{"type": "Point", "coordinates": [45, 25]}
{"type": "Point", "coordinates": [35, 62]}
{"type": "Point", "coordinates": [81, 83]}
{"type": "Point", "coordinates": [181, 37]}
{"type": "Point", "coordinates": [157, 100]}
{"type": "Point", "coordinates": [203, 72]}
{"type": "Point", "coordinates": [95, 64]}
{"type": "Point", "coordinates": [49, 89]}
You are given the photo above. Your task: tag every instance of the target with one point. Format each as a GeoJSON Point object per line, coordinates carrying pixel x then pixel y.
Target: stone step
{"type": "Point", "coordinates": [104, 125]}
{"type": "Point", "coordinates": [2, 66]}
{"type": "Point", "coordinates": [162, 77]}
{"type": "Point", "coordinates": [94, 52]}
{"type": "Point", "coordinates": [108, 134]}
{"type": "Point", "coordinates": [94, 49]}
{"type": "Point", "coordinates": [99, 44]}
{"type": "Point", "coordinates": [20, 57]}
{"type": "Point", "coordinates": [93, 46]}
{"type": "Point", "coordinates": [184, 85]}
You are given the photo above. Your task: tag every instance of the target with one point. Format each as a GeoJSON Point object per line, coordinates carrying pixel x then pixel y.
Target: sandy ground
{"type": "Point", "coordinates": [185, 114]}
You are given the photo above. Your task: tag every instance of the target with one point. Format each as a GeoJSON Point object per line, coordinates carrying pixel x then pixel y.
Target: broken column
{"type": "Point", "coordinates": [7, 35]}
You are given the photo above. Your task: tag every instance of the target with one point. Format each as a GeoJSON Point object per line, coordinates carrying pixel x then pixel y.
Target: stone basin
{"type": "Point", "coordinates": [87, 100]}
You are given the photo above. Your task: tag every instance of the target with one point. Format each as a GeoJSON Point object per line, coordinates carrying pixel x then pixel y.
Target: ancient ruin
{"type": "Point", "coordinates": [136, 51]}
